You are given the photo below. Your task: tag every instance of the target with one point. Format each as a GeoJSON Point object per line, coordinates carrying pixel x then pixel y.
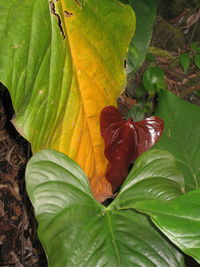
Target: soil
{"type": "Point", "coordinates": [19, 244]}
{"type": "Point", "coordinates": [177, 25]}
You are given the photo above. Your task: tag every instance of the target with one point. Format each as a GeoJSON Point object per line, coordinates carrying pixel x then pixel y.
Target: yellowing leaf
{"type": "Point", "coordinates": [68, 68]}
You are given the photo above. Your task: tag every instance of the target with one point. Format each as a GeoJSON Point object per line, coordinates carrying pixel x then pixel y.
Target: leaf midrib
{"type": "Point", "coordinates": [113, 238]}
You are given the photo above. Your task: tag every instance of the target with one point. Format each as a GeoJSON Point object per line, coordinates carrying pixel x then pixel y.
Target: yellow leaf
{"type": "Point", "coordinates": [70, 66]}
{"type": "Point", "coordinates": [94, 29]}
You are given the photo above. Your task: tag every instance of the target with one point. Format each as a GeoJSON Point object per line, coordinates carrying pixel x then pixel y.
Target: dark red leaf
{"type": "Point", "coordinates": [125, 140]}
{"type": "Point", "coordinates": [149, 131]}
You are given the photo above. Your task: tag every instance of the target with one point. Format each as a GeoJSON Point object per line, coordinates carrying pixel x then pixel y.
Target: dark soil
{"type": "Point", "coordinates": [19, 245]}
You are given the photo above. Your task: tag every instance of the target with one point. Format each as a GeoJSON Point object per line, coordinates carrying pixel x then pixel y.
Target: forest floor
{"type": "Point", "coordinates": [174, 31]}
{"type": "Point", "coordinates": [19, 245]}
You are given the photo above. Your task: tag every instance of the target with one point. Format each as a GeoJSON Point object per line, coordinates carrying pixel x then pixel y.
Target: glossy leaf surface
{"type": "Point", "coordinates": [155, 175]}
{"type": "Point", "coordinates": [125, 140]}
{"type": "Point", "coordinates": [179, 219]}
{"type": "Point", "coordinates": [145, 11]}
{"type": "Point", "coordinates": [56, 62]}
{"type": "Point", "coordinates": [78, 231]}
{"type": "Point", "coordinates": [181, 135]}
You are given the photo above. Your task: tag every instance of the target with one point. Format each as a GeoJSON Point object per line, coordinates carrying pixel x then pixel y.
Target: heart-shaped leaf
{"type": "Point", "coordinates": [125, 140]}
{"type": "Point", "coordinates": [179, 219]}
{"type": "Point", "coordinates": [62, 62]}
{"type": "Point", "coordinates": [78, 231]}
{"type": "Point", "coordinates": [181, 135]}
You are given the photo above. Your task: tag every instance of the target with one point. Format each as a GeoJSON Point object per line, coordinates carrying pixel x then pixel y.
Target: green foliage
{"type": "Point", "coordinates": [150, 57]}
{"type": "Point", "coordinates": [195, 47]}
{"type": "Point", "coordinates": [153, 80]}
{"type": "Point", "coordinates": [145, 11]}
{"type": "Point", "coordinates": [38, 67]}
{"type": "Point", "coordinates": [185, 61]}
{"type": "Point", "coordinates": [136, 112]}
{"type": "Point", "coordinates": [154, 176]}
{"type": "Point", "coordinates": [78, 231]}
{"type": "Point", "coordinates": [197, 60]}
{"type": "Point", "coordinates": [55, 70]}
{"type": "Point", "coordinates": [179, 219]}
{"type": "Point", "coordinates": [181, 135]}
{"type": "Point", "coordinates": [154, 186]}
{"type": "Point", "coordinates": [140, 92]}
{"type": "Point", "coordinates": [192, 55]}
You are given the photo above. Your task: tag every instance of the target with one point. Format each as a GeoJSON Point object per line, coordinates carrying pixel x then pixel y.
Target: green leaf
{"type": "Point", "coordinates": [195, 46]}
{"type": "Point", "coordinates": [181, 135]}
{"type": "Point", "coordinates": [179, 219]}
{"type": "Point", "coordinates": [150, 57]}
{"type": "Point", "coordinates": [153, 79]}
{"type": "Point", "coordinates": [197, 60]}
{"type": "Point", "coordinates": [78, 231]}
{"type": "Point", "coordinates": [56, 69]}
{"type": "Point", "coordinates": [155, 175]}
{"type": "Point", "coordinates": [145, 11]}
{"type": "Point", "coordinates": [136, 112]}
{"type": "Point", "coordinates": [185, 61]}
{"type": "Point", "coordinates": [140, 92]}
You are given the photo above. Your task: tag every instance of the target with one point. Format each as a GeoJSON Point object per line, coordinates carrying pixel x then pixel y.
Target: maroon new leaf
{"type": "Point", "coordinates": [125, 140]}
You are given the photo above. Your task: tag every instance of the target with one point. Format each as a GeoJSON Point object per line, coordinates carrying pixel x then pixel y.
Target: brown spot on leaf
{"type": "Point", "coordinates": [68, 14]}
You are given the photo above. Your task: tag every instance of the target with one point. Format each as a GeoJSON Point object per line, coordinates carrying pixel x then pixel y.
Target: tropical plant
{"type": "Point", "coordinates": [159, 184]}
{"type": "Point", "coordinates": [192, 56]}
{"type": "Point", "coordinates": [63, 63]}
{"type": "Point", "coordinates": [76, 230]}
{"type": "Point", "coordinates": [60, 75]}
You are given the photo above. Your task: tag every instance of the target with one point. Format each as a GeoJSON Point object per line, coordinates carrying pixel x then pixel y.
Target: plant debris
{"type": "Point", "coordinates": [19, 245]}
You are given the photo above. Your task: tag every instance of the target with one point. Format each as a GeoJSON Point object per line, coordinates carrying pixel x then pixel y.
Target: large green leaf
{"type": "Point", "coordinates": [181, 135]}
{"type": "Point", "coordinates": [179, 219]}
{"type": "Point", "coordinates": [154, 176]}
{"type": "Point", "coordinates": [63, 62]}
{"type": "Point", "coordinates": [145, 11]}
{"type": "Point", "coordinates": [78, 231]}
